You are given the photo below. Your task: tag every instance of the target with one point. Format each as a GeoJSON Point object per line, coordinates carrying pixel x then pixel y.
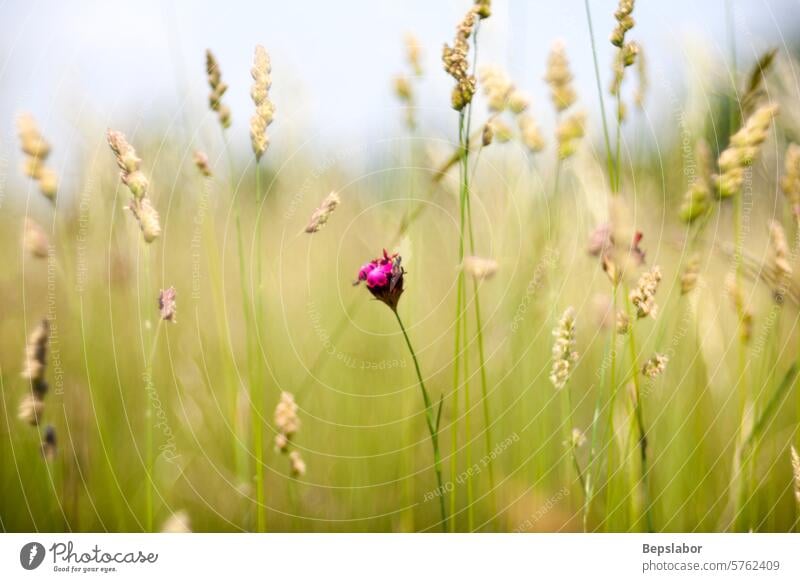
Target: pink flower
{"type": "Point", "coordinates": [384, 277]}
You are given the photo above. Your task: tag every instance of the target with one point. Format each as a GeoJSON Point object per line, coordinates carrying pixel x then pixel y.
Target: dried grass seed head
{"type": "Point", "coordinates": [643, 296]}
{"type": "Point", "coordinates": [790, 183]}
{"type": "Point", "coordinates": [564, 354]}
{"type": "Point", "coordinates": [456, 62]}
{"type": "Point", "coordinates": [218, 89]}
{"type": "Point", "coordinates": [559, 77]}
{"type": "Point", "coordinates": [742, 150]}
{"type": "Point", "coordinates": [34, 239]}
{"type": "Point", "coordinates": [322, 214]}
{"type": "Point", "coordinates": [655, 366]}
{"type": "Point", "coordinates": [265, 110]}
{"type": "Point", "coordinates": [530, 134]}
{"type": "Point", "coordinates": [202, 163]}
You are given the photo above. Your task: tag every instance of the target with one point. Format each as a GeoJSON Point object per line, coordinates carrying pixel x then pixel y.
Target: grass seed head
{"type": "Point", "coordinates": [49, 443]}
{"type": "Point", "coordinates": [790, 183]}
{"type": "Point", "coordinates": [559, 77]}
{"type": "Point", "coordinates": [643, 296]}
{"type": "Point", "coordinates": [321, 214]}
{"type": "Point", "coordinates": [166, 304]}
{"type": "Point", "coordinates": [569, 133]}
{"type": "Point", "coordinates": [218, 89]}
{"type": "Point", "coordinates": [265, 110]}
{"type": "Point", "coordinates": [202, 164]}
{"type": "Point", "coordinates": [34, 239]}
{"type": "Point", "coordinates": [742, 150]}
{"type": "Point", "coordinates": [655, 366]}
{"type": "Point", "coordinates": [564, 354]}
{"type": "Point", "coordinates": [529, 133]}
{"type": "Point", "coordinates": [456, 62]}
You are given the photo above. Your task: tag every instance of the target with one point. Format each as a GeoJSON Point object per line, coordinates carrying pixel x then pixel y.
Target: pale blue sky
{"type": "Point", "coordinates": [332, 61]}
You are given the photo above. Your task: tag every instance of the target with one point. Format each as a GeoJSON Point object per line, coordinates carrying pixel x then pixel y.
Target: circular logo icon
{"type": "Point", "coordinates": [31, 555]}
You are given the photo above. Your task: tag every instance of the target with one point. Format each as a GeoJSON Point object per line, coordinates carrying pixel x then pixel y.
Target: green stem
{"type": "Point", "coordinates": [600, 96]}
{"type": "Point", "coordinates": [257, 396]}
{"type": "Point", "coordinates": [642, 433]}
{"type": "Point", "coordinates": [431, 421]}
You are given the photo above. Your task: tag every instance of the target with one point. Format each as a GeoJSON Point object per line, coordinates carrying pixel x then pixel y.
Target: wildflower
{"type": "Point", "coordinates": [298, 464]}
{"type": "Point", "coordinates": [479, 268]}
{"type": "Point", "coordinates": [655, 366]}
{"type": "Point", "coordinates": [178, 522]}
{"type": "Point", "coordinates": [321, 215]}
{"type": "Point", "coordinates": [742, 150]}
{"type": "Point", "coordinates": [166, 304]}
{"type": "Point", "coordinates": [265, 110]}
{"type": "Point", "coordinates": [201, 161]}
{"type": "Point", "coordinates": [457, 65]}
{"type": "Point", "coordinates": [36, 150]}
{"type": "Point", "coordinates": [218, 89]}
{"type": "Point", "coordinates": [559, 78]}
{"type": "Point", "coordinates": [643, 296]}
{"type": "Point", "coordinates": [564, 354]}
{"type": "Point", "coordinates": [790, 183]}
{"type": "Point", "coordinates": [34, 239]}
{"type": "Point", "coordinates": [530, 134]}
{"type": "Point", "coordinates": [384, 278]}
{"type": "Point", "coordinates": [49, 445]}
{"type": "Point", "coordinates": [569, 133]}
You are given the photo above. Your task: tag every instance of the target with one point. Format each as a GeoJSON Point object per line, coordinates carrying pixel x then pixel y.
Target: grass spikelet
{"type": "Point", "coordinates": [131, 175]}
{"type": "Point", "coordinates": [737, 299]}
{"type": "Point", "coordinates": [265, 110]}
{"type": "Point", "coordinates": [569, 134]}
{"type": "Point", "coordinates": [742, 151]}
{"type": "Point", "coordinates": [321, 214]}
{"type": "Point", "coordinates": [697, 199]}
{"type": "Point", "coordinates": [655, 366]}
{"type": "Point", "coordinates": [218, 89]}
{"type": "Point", "coordinates": [530, 134]}
{"type": "Point", "coordinates": [690, 274]}
{"type": "Point", "coordinates": [286, 421]}
{"type": "Point", "coordinates": [456, 63]}
{"type": "Point", "coordinates": [49, 444]}
{"type": "Point", "coordinates": [36, 150]}
{"type": "Point", "coordinates": [32, 406]}
{"type": "Point", "coordinates": [202, 164]}
{"type": "Point", "coordinates": [643, 296]}
{"type": "Point", "coordinates": [34, 239]}
{"type": "Point", "coordinates": [559, 77]}
{"type": "Point", "coordinates": [564, 354]}
{"type": "Point", "coordinates": [790, 183]}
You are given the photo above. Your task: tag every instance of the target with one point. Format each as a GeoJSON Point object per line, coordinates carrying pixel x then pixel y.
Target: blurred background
{"type": "Point", "coordinates": [156, 421]}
